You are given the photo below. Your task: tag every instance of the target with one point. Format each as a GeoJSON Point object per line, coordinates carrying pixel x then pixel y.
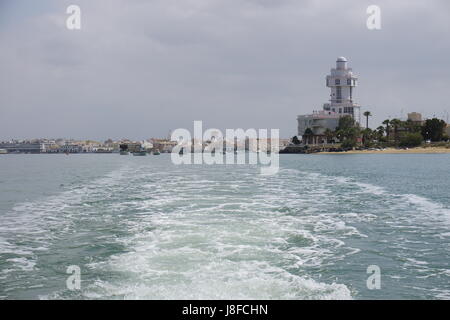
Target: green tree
{"type": "Point", "coordinates": [347, 132]}
{"type": "Point", "coordinates": [329, 135]}
{"type": "Point", "coordinates": [411, 140]}
{"type": "Point", "coordinates": [367, 136]}
{"type": "Point", "coordinates": [367, 114]}
{"type": "Point", "coordinates": [411, 126]}
{"type": "Point", "coordinates": [396, 123]}
{"type": "Point", "coordinates": [348, 137]}
{"type": "Point", "coordinates": [348, 144]}
{"type": "Point", "coordinates": [387, 122]}
{"type": "Point", "coordinates": [346, 122]}
{"type": "Point", "coordinates": [380, 133]}
{"type": "Point", "coordinates": [295, 140]}
{"type": "Point", "coordinates": [433, 129]}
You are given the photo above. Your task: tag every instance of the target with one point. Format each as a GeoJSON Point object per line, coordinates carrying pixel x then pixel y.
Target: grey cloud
{"type": "Point", "coordinates": [141, 68]}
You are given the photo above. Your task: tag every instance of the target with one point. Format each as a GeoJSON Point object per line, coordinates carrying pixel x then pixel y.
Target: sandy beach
{"type": "Point", "coordinates": [395, 151]}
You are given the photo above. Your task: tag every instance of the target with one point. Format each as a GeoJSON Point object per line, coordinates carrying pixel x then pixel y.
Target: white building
{"type": "Point", "coordinates": [342, 82]}
{"type": "Point", "coordinates": [71, 148]}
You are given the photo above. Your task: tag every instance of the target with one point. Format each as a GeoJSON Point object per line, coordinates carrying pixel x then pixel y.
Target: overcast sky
{"type": "Point", "coordinates": [138, 69]}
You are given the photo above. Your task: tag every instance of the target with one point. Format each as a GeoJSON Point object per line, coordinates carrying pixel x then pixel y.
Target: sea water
{"type": "Point", "coordinates": [144, 228]}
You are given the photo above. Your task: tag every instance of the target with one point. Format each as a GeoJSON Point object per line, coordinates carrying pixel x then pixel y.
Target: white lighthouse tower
{"type": "Point", "coordinates": [342, 81]}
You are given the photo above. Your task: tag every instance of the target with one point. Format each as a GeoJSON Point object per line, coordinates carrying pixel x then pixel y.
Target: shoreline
{"type": "Point", "coordinates": [420, 150]}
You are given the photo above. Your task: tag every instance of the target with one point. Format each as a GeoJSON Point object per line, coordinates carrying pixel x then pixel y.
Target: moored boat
{"type": "Point", "coordinates": [140, 153]}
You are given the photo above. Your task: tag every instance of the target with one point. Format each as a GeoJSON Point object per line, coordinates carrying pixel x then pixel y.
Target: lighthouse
{"type": "Point", "coordinates": [342, 82]}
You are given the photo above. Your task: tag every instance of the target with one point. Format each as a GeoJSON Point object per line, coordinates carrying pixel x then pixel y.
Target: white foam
{"type": "Point", "coordinates": [31, 227]}
{"type": "Point", "coordinates": [213, 248]}
{"type": "Point", "coordinates": [23, 263]}
{"type": "Point", "coordinates": [192, 237]}
{"type": "Point", "coordinates": [430, 208]}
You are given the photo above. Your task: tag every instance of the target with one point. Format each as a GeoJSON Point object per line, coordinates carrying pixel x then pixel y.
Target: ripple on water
{"type": "Point", "coordinates": [200, 234]}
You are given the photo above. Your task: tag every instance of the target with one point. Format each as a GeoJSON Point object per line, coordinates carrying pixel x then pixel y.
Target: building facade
{"type": "Point", "coordinates": [341, 82]}
{"type": "Point", "coordinates": [21, 147]}
{"type": "Point", "coordinates": [71, 148]}
{"type": "Point", "coordinates": [163, 145]}
{"type": "Point", "coordinates": [415, 118]}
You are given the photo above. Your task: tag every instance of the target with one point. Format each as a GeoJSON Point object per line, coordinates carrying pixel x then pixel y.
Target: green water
{"type": "Point", "coordinates": [143, 228]}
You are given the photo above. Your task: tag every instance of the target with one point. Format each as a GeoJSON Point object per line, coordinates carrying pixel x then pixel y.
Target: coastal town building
{"type": "Point", "coordinates": [415, 118]}
{"type": "Point", "coordinates": [21, 147]}
{"type": "Point", "coordinates": [130, 146]}
{"type": "Point", "coordinates": [163, 145]}
{"type": "Point", "coordinates": [265, 144]}
{"type": "Point", "coordinates": [71, 148]}
{"type": "Point", "coordinates": [82, 146]}
{"type": "Point", "coordinates": [341, 82]}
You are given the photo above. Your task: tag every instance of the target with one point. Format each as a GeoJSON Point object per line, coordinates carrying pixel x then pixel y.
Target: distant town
{"type": "Point", "coordinates": [84, 146]}
{"type": "Point", "coordinates": [125, 146]}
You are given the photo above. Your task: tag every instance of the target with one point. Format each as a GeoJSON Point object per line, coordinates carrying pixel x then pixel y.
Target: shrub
{"type": "Point", "coordinates": [411, 140]}
{"type": "Point", "coordinates": [295, 140]}
{"type": "Point", "coordinates": [348, 144]}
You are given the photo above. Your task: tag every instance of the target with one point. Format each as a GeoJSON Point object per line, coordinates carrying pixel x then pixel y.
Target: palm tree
{"type": "Point", "coordinates": [367, 136]}
{"type": "Point", "coordinates": [387, 123]}
{"type": "Point", "coordinates": [380, 132]}
{"type": "Point", "coordinates": [396, 123]}
{"type": "Point", "coordinates": [329, 135]}
{"type": "Point", "coordinates": [367, 114]}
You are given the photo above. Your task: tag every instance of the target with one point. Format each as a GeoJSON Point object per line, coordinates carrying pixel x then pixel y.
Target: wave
{"type": "Point", "coordinates": [189, 233]}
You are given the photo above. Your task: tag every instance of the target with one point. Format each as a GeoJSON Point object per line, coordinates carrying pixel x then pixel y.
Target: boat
{"type": "Point", "coordinates": [3, 151]}
{"type": "Point", "coordinates": [140, 153]}
{"type": "Point", "coordinates": [156, 152]}
{"type": "Point", "coordinates": [103, 151]}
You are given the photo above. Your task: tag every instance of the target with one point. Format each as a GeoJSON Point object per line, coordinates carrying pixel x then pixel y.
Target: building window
{"type": "Point", "coordinates": [349, 82]}
{"type": "Point", "coordinates": [338, 93]}
{"type": "Point", "coordinates": [337, 81]}
{"type": "Point", "coordinates": [348, 110]}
